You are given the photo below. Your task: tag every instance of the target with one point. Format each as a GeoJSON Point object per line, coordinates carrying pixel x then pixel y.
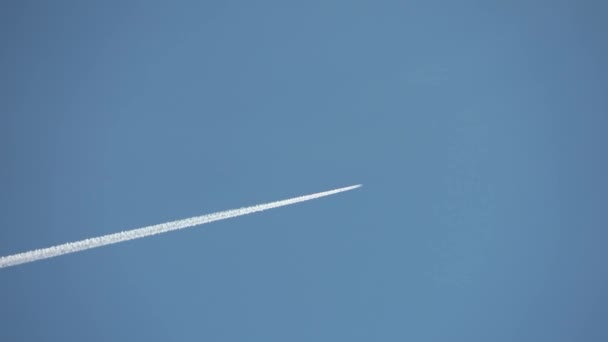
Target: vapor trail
{"type": "Point", "coordinates": [72, 247]}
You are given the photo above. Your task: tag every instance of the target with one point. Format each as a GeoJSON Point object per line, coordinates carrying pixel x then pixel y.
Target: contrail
{"type": "Point", "coordinates": [72, 247]}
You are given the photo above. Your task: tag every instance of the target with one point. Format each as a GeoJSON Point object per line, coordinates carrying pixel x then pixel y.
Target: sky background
{"type": "Point", "coordinates": [477, 128]}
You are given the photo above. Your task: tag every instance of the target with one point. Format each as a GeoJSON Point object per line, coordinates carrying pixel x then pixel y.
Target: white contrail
{"type": "Point", "coordinates": [71, 247]}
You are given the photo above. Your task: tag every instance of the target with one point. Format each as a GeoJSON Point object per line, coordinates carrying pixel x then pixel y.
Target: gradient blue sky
{"type": "Point", "coordinates": [478, 129]}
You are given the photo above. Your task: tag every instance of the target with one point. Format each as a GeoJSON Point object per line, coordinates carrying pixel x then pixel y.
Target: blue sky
{"type": "Point", "coordinates": [477, 128]}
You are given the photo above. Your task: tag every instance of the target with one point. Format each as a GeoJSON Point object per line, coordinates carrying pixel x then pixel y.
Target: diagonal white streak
{"type": "Point", "coordinates": [72, 247]}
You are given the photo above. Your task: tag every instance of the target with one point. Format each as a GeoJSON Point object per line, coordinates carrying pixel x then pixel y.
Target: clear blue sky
{"type": "Point", "coordinates": [478, 129]}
